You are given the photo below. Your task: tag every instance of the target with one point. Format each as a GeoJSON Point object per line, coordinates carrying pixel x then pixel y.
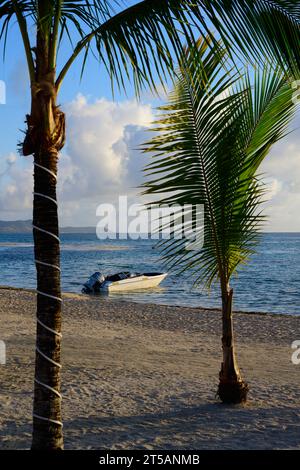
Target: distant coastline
{"type": "Point", "coordinates": [25, 226]}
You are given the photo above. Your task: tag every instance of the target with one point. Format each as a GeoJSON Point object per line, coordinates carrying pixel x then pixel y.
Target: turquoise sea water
{"type": "Point", "coordinates": [270, 283]}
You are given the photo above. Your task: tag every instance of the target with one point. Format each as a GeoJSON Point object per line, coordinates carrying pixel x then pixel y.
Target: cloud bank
{"type": "Point", "coordinates": [101, 162]}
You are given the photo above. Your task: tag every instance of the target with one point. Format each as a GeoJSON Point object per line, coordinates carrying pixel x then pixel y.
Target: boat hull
{"type": "Point", "coordinates": [135, 283]}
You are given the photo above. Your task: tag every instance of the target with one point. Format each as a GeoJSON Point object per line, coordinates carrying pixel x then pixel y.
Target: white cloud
{"type": "Point", "coordinates": [274, 186]}
{"type": "Point", "coordinates": [98, 150]}
{"type": "Point", "coordinates": [100, 162]}
{"type": "Point", "coordinates": [282, 172]}
{"type": "Point", "coordinates": [15, 188]}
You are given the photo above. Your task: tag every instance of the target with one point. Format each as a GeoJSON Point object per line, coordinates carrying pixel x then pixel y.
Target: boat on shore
{"type": "Point", "coordinates": [122, 282]}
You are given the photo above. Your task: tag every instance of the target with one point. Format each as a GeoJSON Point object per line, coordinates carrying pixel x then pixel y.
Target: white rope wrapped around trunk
{"type": "Point", "coordinates": [46, 231]}
{"type": "Point", "coordinates": [59, 299]}
{"type": "Point", "coordinates": [47, 264]}
{"type": "Point", "coordinates": [46, 169]}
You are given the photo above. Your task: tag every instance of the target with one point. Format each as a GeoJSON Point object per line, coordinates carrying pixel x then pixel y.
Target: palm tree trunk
{"type": "Point", "coordinates": [44, 139]}
{"type": "Point", "coordinates": [232, 388]}
{"type": "Point", "coordinates": [47, 427]}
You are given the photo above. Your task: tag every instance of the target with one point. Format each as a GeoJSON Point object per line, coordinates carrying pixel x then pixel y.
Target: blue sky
{"type": "Point", "coordinates": [95, 83]}
{"type": "Point", "coordinates": [100, 162]}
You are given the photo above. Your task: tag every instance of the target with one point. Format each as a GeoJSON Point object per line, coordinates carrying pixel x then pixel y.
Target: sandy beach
{"type": "Point", "coordinates": [144, 377]}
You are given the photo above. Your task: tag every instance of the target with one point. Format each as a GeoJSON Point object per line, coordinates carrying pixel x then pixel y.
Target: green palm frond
{"type": "Point", "coordinates": [260, 29]}
{"type": "Point", "coordinates": [140, 41]}
{"type": "Point", "coordinates": [144, 38]}
{"type": "Point", "coordinates": [272, 108]}
{"type": "Point", "coordinates": [209, 142]}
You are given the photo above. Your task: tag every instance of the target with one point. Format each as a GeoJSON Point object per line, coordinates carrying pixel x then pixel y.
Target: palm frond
{"type": "Point", "coordinates": [140, 41]}
{"type": "Point", "coordinates": [272, 109]}
{"type": "Point", "coordinates": [260, 29]}
{"type": "Point", "coordinates": [146, 33]}
{"type": "Point", "coordinates": [209, 142]}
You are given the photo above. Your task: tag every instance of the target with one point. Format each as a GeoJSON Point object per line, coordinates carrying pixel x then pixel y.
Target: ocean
{"type": "Point", "coordinates": [270, 283]}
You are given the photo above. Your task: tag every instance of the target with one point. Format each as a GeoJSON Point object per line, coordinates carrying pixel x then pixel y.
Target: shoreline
{"type": "Point", "coordinates": [200, 308]}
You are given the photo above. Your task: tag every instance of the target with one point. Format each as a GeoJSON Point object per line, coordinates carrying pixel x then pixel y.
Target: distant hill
{"type": "Point", "coordinates": [25, 226]}
{"type": "Point", "coordinates": [77, 229]}
{"type": "Point", "coordinates": [15, 226]}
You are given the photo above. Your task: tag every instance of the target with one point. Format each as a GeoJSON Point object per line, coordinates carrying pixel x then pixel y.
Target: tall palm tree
{"type": "Point", "coordinates": [135, 43]}
{"type": "Point", "coordinates": [209, 142]}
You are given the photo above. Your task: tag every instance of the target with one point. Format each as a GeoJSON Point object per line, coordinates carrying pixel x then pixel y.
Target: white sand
{"type": "Point", "coordinates": [145, 376]}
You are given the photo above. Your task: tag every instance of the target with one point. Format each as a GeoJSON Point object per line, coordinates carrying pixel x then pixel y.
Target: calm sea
{"type": "Point", "coordinates": [270, 283]}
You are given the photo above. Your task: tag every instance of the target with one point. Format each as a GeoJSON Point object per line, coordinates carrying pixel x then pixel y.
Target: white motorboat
{"type": "Point", "coordinates": [122, 282]}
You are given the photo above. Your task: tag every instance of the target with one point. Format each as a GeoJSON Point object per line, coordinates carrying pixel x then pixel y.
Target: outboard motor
{"type": "Point", "coordinates": [93, 284]}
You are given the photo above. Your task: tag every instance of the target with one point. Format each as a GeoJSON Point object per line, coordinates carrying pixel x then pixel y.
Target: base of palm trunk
{"type": "Point", "coordinates": [233, 392]}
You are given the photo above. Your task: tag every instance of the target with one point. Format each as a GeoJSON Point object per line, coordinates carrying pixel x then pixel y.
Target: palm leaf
{"type": "Point", "coordinates": [260, 29]}
{"type": "Point", "coordinates": [141, 41]}
{"type": "Point", "coordinates": [138, 42]}
{"type": "Point", "coordinates": [209, 142]}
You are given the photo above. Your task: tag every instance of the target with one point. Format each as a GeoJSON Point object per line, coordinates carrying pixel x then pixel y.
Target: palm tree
{"type": "Point", "coordinates": [137, 43]}
{"type": "Point", "coordinates": [209, 142]}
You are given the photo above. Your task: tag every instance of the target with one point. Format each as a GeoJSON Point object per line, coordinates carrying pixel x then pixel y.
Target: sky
{"type": "Point", "coordinates": [101, 160]}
